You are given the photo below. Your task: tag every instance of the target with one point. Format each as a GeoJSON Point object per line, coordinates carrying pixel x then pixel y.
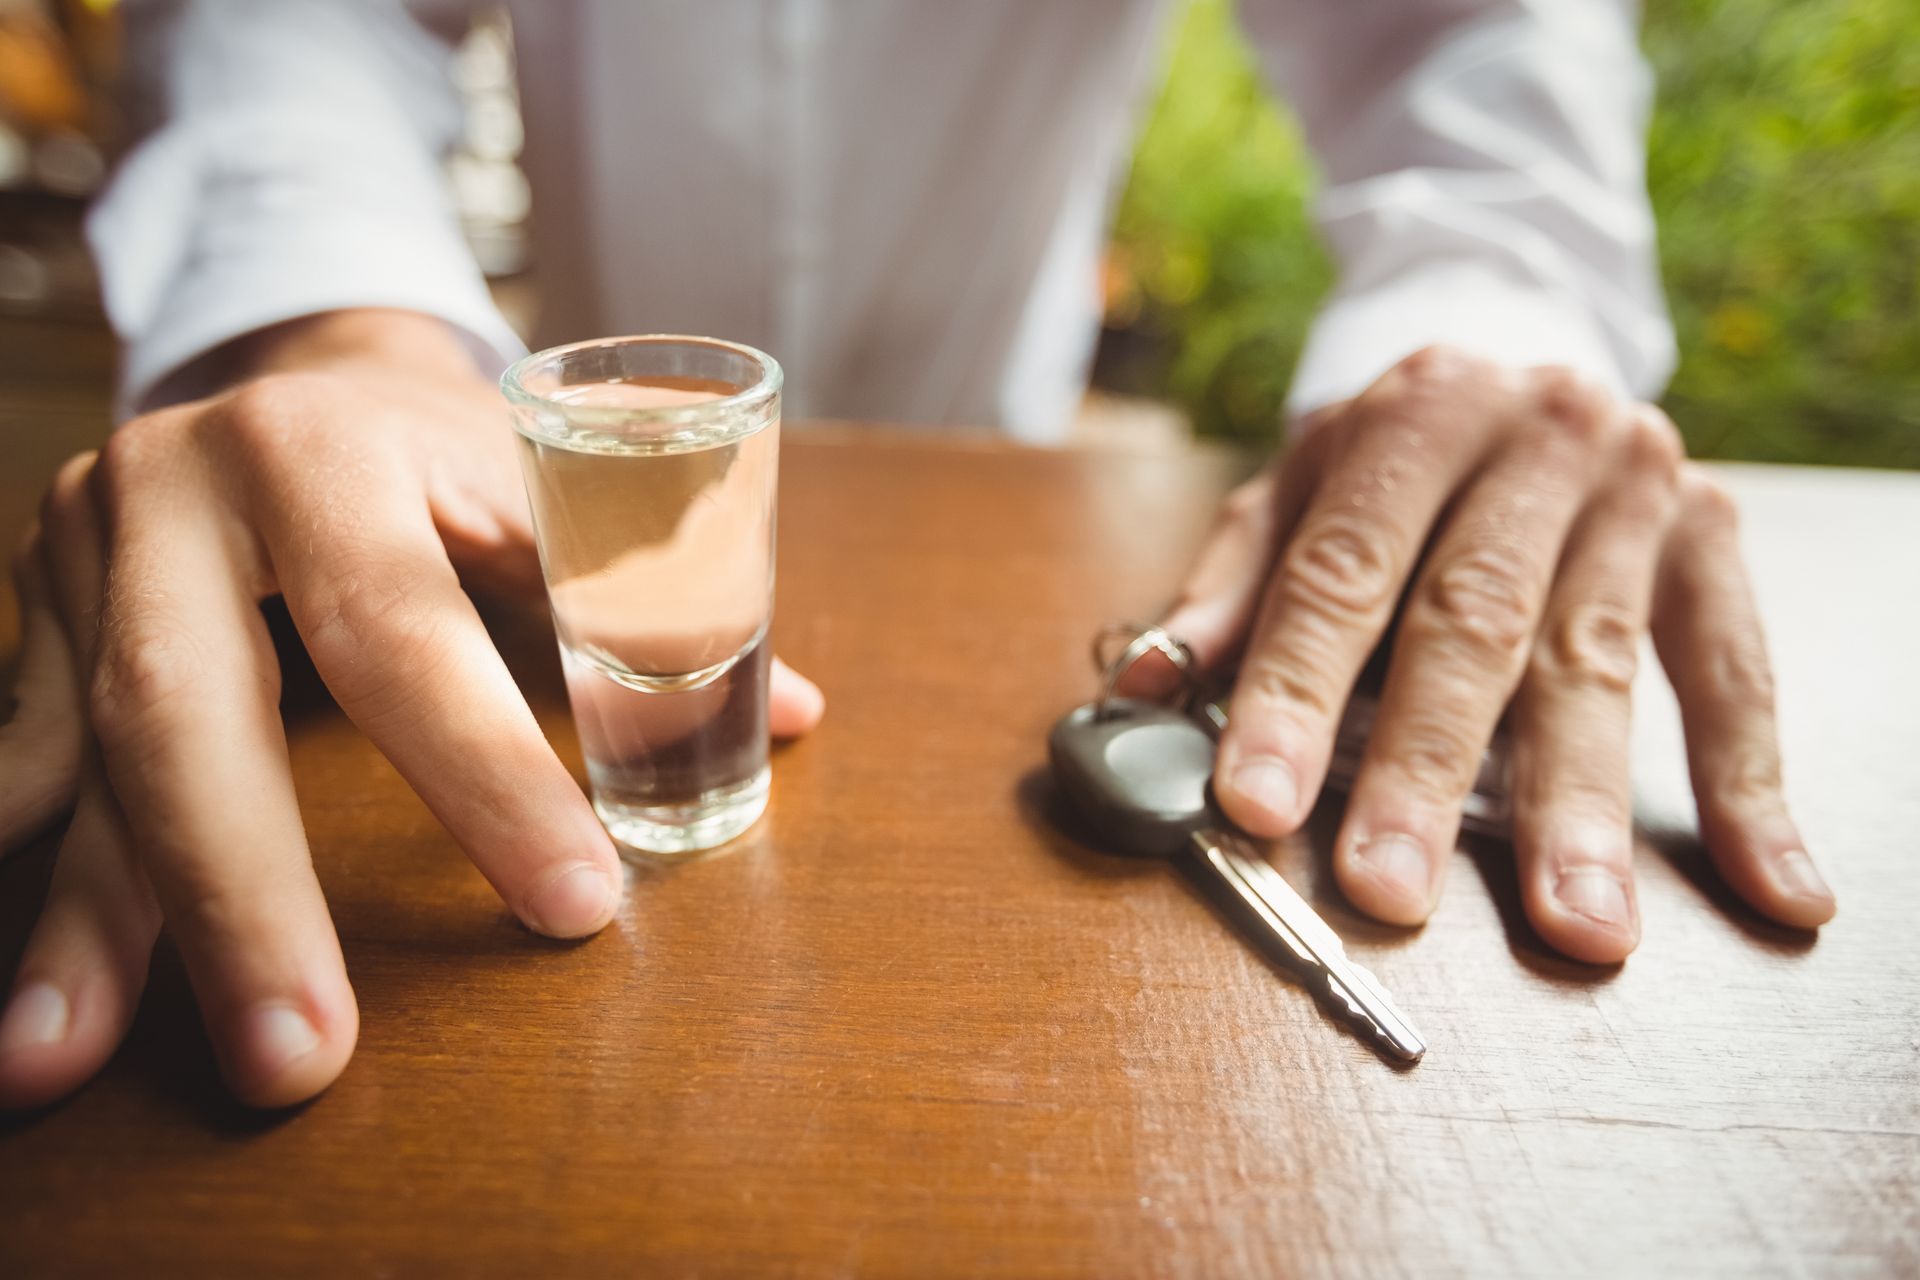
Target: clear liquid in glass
{"type": "Point", "coordinates": [659, 565]}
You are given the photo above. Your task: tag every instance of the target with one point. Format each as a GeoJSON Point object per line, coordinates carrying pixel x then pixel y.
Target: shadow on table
{"type": "Point", "coordinates": [167, 1057]}
{"type": "Point", "coordinates": [169, 1051]}
{"type": "Point", "coordinates": [1310, 851]}
{"type": "Point", "coordinates": [166, 1054]}
{"type": "Point", "coordinates": [1066, 835]}
{"type": "Point", "coordinates": [1493, 860]}
{"type": "Point", "coordinates": [1684, 851]}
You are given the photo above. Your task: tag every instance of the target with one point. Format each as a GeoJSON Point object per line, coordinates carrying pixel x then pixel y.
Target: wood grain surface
{"type": "Point", "coordinates": [907, 1027]}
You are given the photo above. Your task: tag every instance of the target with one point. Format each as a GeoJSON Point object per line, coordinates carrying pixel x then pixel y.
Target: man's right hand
{"type": "Point", "coordinates": [359, 466]}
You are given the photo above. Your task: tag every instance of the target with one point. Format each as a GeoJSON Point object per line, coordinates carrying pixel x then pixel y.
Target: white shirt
{"type": "Point", "coordinates": [902, 200]}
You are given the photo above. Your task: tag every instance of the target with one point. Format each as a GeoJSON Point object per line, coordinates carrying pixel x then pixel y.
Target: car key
{"type": "Point", "coordinates": [1487, 809]}
{"type": "Point", "coordinates": [1138, 772]}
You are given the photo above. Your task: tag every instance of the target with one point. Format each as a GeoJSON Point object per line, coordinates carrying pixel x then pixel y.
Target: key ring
{"type": "Point", "coordinates": [1142, 639]}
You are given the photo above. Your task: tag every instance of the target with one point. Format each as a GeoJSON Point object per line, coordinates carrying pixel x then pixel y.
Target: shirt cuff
{"type": "Point", "coordinates": [1464, 304]}
{"type": "Point", "coordinates": [195, 252]}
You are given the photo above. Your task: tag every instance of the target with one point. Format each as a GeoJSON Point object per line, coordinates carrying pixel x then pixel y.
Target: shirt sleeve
{"type": "Point", "coordinates": [1484, 184]}
{"type": "Point", "coordinates": [290, 165]}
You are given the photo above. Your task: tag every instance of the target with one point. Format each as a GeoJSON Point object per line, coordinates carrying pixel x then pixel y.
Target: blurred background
{"type": "Point", "coordinates": [1784, 165]}
{"type": "Point", "coordinates": [1785, 169]}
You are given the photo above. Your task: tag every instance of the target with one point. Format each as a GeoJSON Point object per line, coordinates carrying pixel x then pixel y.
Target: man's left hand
{"type": "Point", "coordinates": [1527, 530]}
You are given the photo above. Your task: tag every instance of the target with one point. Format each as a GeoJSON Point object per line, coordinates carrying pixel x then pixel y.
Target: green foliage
{"type": "Point", "coordinates": [1213, 247]}
{"type": "Point", "coordinates": [1784, 164]}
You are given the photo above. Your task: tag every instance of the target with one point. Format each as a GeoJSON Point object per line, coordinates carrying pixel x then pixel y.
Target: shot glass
{"type": "Point", "coordinates": [651, 464]}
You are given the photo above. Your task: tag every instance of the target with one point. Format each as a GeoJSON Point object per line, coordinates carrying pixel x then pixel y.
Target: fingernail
{"type": "Point", "coordinates": [38, 1015]}
{"type": "Point", "coordinates": [281, 1036]}
{"type": "Point", "coordinates": [1400, 862]}
{"type": "Point", "coordinates": [1266, 783]}
{"type": "Point", "coordinates": [1795, 872]}
{"type": "Point", "coordinates": [1595, 893]}
{"type": "Point", "coordinates": [577, 901]}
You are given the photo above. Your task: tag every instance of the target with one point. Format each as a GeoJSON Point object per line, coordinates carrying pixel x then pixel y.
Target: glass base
{"type": "Point", "coordinates": [653, 833]}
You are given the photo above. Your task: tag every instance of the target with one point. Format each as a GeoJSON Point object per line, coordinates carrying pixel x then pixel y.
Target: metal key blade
{"type": "Point", "coordinates": [1138, 773]}
{"type": "Point", "coordinates": [1315, 945]}
{"type": "Point", "coordinates": [1355, 976]}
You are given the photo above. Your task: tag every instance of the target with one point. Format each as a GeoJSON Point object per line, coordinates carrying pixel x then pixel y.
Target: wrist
{"type": "Point", "coordinates": [382, 338]}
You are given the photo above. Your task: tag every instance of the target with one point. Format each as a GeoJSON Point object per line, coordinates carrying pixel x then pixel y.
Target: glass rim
{"type": "Point", "coordinates": [760, 392]}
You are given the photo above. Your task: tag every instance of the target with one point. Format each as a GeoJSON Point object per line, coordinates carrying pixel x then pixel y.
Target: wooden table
{"type": "Point", "coordinates": [906, 1028]}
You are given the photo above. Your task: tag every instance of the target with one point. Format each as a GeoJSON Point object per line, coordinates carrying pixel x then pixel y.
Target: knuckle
{"type": "Point", "coordinates": [373, 637]}
{"type": "Point", "coordinates": [69, 499]}
{"type": "Point", "coordinates": [1340, 565]}
{"type": "Point", "coordinates": [275, 396]}
{"type": "Point", "coordinates": [1596, 644]}
{"type": "Point", "coordinates": [139, 673]}
{"type": "Point", "coordinates": [1572, 405]}
{"type": "Point", "coordinates": [1275, 681]}
{"type": "Point", "coordinates": [1591, 798]}
{"type": "Point", "coordinates": [74, 474]}
{"type": "Point", "coordinates": [1434, 758]}
{"type": "Point", "coordinates": [204, 902]}
{"type": "Point", "coordinates": [1654, 448]}
{"type": "Point", "coordinates": [1654, 438]}
{"type": "Point", "coordinates": [1481, 597]}
{"type": "Point", "coordinates": [1439, 368]}
{"type": "Point", "coordinates": [1431, 391]}
{"type": "Point", "coordinates": [260, 415]}
{"type": "Point", "coordinates": [1747, 774]}
{"type": "Point", "coordinates": [366, 609]}
{"type": "Point", "coordinates": [287, 435]}
{"type": "Point", "coordinates": [1427, 387]}
{"type": "Point", "coordinates": [137, 455]}
{"type": "Point", "coordinates": [1705, 501]}
{"type": "Point", "coordinates": [1740, 673]}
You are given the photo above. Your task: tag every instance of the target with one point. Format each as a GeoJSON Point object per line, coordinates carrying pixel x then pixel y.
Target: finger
{"type": "Point", "coordinates": [794, 703]}
{"type": "Point", "coordinates": [1409, 440]}
{"type": "Point", "coordinates": [1461, 645]}
{"type": "Point", "coordinates": [63, 589]}
{"type": "Point", "coordinates": [85, 963]}
{"type": "Point", "coordinates": [1214, 608]}
{"type": "Point", "coordinates": [1217, 599]}
{"type": "Point", "coordinates": [1707, 630]}
{"type": "Point", "coordinates": [404, 651]}
{"type": "Point", "coordinates": [184, 704]}
{"type": "Point", "coordinates": [1215, 604]}
{"type": "Point", "coordinates": [40, 745]}
{"type": "Point", "coordinates": [1572, 785]}
{"type": "Point", "coordinates": [71, 557]}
